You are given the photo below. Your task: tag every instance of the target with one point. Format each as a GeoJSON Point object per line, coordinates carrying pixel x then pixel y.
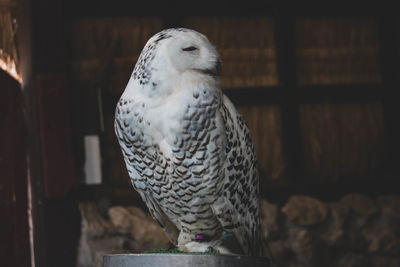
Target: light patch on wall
{"type": "Point", "coordinates": [92, 159]}
{"type": "Point", "coordinates": [9, 66]}
{"type": "Point", "coordinates": [30, 218]}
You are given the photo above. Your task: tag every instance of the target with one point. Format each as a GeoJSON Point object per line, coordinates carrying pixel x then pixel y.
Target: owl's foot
{"type": "Point", "coordinates": [204, 247]}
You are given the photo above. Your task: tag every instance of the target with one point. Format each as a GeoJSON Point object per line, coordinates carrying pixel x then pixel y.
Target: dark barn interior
{"type": "Point", "coordinates": [316, 85]}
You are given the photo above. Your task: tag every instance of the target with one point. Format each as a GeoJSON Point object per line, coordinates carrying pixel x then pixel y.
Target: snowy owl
{"type": "Point", "coordinates": [187, 150]}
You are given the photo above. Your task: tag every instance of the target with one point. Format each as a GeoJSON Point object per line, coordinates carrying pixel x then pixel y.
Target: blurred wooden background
{"type": "Point", "coordinates": [317, 86]}
{"type": "Point", "coordinates": [311, 89]}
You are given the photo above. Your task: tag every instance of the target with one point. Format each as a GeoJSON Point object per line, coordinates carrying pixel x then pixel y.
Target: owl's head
{"type": "Point", "coordinates": [189, 50]}
{"type": "Point", "coordinates": [175, 53]}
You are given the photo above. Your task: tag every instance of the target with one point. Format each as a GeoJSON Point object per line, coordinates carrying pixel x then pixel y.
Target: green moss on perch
{"type": "Point", "coordinates": [177, 251]}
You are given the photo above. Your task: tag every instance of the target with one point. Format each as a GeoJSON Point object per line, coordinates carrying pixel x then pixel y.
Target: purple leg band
{"type": "Point", "coordinates": [198, 237]}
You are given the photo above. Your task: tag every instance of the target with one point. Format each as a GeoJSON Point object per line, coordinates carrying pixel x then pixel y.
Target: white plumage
{"type": "Point", "coordinates": [188, 152]}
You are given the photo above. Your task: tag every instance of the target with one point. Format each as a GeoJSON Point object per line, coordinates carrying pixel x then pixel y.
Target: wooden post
{"type": "Point", "coordinates": [42, 64]}
{"type": "Point", "coordinates": [35, 181]}
{"type": "Point", "coordinates": [14, 227]}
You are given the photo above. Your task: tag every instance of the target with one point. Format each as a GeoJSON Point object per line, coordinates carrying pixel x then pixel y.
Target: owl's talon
{"type": "Point", "coordinates": [210, 249]}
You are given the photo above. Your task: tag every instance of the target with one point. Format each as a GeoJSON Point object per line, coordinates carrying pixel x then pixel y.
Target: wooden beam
{"type": "Point", "coordinates": [390, 56]}
{"type": "Point", "coordinates": [318, 94]}
{"type": "Point", "coordinates": [122, 8]}
{"type": "Point", "coordinates": [269, 95]}
{"type": "Point", "coordinates": [286, 55]}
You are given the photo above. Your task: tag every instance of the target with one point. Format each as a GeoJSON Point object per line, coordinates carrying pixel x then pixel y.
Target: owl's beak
{"type": "Point", "coordinates": [218, 68]}
{"type": "Point", "coordinates": [215, 71]}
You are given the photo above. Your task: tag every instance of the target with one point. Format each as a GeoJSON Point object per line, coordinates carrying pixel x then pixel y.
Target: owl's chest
{"type": "Point", "coordinates": [174, 119]}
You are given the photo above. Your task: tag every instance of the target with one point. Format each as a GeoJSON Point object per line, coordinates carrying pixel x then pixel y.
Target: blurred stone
{"type": "Point", "coordinates": [333, 237]}
{"type": "Point", "coordinates": [360, 204]}
{"type": "Point", "coordinates": [339, 214]}
{"type": "Point", "coordinates": [343, 228]}
{"type": "Point", "coordinates": [353, 260]}
{"type": "Point", "coordinates": [379, 261]}
{"type": "Point", "coordinates": [335, 234]}
{"type": "Point", "coordinates": [353, 240]}
{"type": "Point", "coordinates": [303, 246]}
{"type": "Point", "coordinates": [355, 231]}
{"type": "Point", "coordinates": [280, 251]}
{"type": "Point", "coordinates": [96, 237]}
{"type": "Point", "coordinates": [390, 205]}
{"type": "Point", "coordinates": [269, 217]}
{"type": "Point", "coordinates": [141, 227]}
{"type": "Point", "coordinates": [305, 210]}
{"type": "Point", "coordinates": [363, 210]}
{"type": "Point", "coordinates": [102, 246]}
{"type": "Point", "coordinates": [382, 241]}
{"type": "Point", "coordinates": [93, 223]}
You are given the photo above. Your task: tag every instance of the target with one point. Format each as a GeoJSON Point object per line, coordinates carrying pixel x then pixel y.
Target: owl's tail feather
{"type": "Point", "coordinates": [268, 253]}
{"type": "Point", "coordinates": [161, 218]}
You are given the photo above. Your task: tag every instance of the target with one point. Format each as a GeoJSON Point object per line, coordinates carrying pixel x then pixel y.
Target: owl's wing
{"type": "Point", "coordinates": [158, 214]}
{"type": "Point", "coordinates": [238, 208]}
{"type": "Point", "coordinates": [140, 161]}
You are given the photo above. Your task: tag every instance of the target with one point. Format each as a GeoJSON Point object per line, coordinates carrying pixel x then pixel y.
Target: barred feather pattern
{"type": "Point", "coordinates": [241, 182]}
{"type": "Point", "coordinates": [210, 184]}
